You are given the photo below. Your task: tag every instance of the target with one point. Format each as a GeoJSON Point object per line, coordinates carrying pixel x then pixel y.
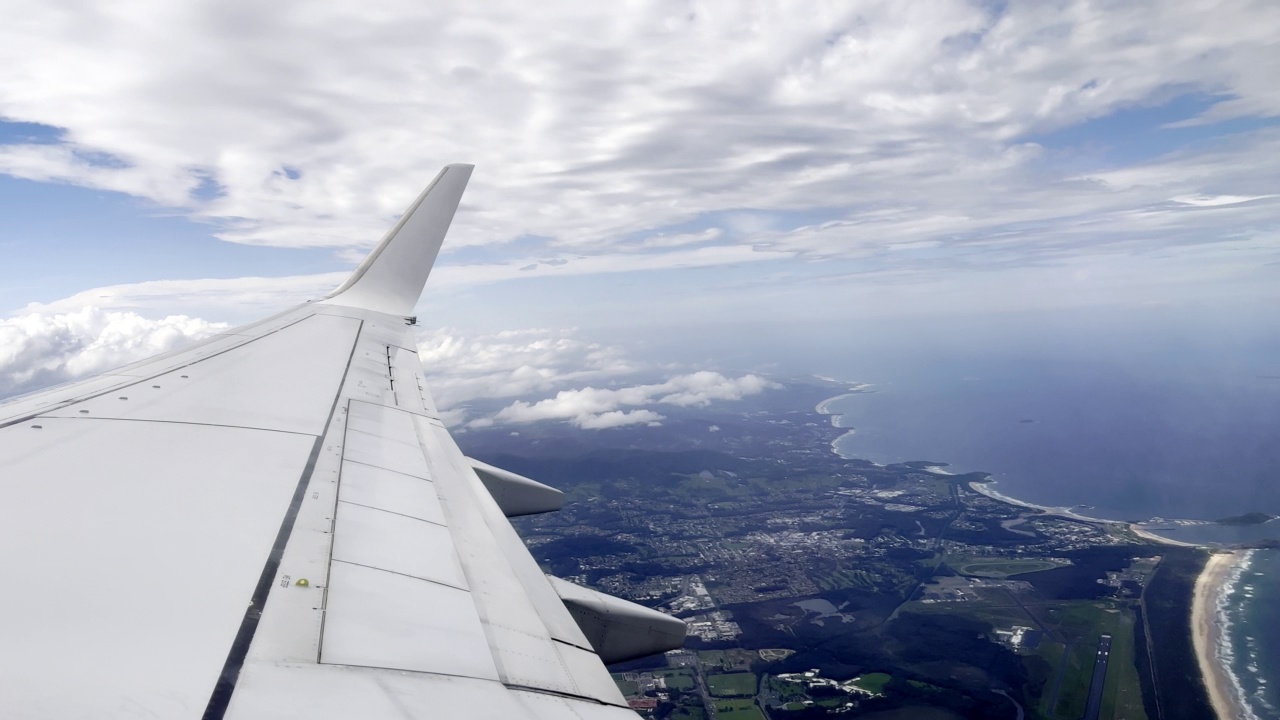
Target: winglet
{"type": "Point", "coordinates": [391, 279]}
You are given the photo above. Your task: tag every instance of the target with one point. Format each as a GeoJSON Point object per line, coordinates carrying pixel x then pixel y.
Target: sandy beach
{"type": "Point", "coordinates": [985, 488]}
{"type": "Point", "coordinates": [1205, 633]}
{"type": "Point", "coordinates": [824, 407]}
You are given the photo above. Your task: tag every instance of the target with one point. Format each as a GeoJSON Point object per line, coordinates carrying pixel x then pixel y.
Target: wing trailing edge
{"type": "Point", "coordinates": [391, 278]}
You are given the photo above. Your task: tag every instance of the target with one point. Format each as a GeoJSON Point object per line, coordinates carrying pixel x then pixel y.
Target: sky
{"type": "Point", "coordinates": [649, 175]}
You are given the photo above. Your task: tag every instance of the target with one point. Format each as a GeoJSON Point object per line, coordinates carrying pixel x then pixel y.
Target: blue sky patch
{"type": "Point", "coordinates": [67, 233]}
{"type": "Point", "coordinates": [1142, 133]}
{"type": "Point", "coordinates": [27, 133]}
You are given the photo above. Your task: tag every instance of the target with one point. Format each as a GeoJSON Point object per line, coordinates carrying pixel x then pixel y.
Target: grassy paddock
{"type": "Point", "coordinates": [737, 710]}
{"type": "Point", "coordinates": [1000, 568]}
{"type": "Point", "coordinates": [874, 682]}
{"type": "Point", "coordinates": [732, 685]}
{"type": "Point", "coordinates": [677, 679]}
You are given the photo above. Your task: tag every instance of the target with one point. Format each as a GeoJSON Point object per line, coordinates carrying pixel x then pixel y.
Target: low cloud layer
{"type": "Point", "coordinates": [44, 349]}
{"type": "Point", "coordinates": [513, 363]}
{"type": "Point", "coordinates": [243, 299]}
{"type": "Point", "coordinates": [39, 349]}
{"type": "Point", "coordinates": [592, 407]}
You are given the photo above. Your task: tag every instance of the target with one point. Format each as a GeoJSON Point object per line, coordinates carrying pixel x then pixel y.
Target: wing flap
{"type": "Point", "coordinates": [334, 692]}
{"type": "Point", "coordinates": [525, 622]}
{"type": "Point", "coordinates": [381, 619]}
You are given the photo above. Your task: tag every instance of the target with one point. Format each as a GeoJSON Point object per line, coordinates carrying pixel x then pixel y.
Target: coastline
{"type": "Point", "coordinates": [1148, 535]}
{"type": "Point", "coordinates": [984, 488]}
{"type": "Point", "coordinates": [1206, 629]}
{"type": "Point", "coordinates": [1208, 621]}
{"type": "Point", "coordinates": [824, 407]}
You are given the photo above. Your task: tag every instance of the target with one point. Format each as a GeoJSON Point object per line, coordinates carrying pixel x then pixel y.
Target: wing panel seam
{"type": "Point", "coordinates": [401, 574]}
{"type": "Point", "coordinates": [43, 416]}
{"type": "Point", "coordinates": [225, 685]}
{"type": "Point", "coordinates": [138, 380]}
{"type": "Point", "coordinates": [393, 512]}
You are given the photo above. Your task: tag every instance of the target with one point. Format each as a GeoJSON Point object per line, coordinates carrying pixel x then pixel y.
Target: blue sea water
{"type": "Point", "coordinates": [1249, 610]}
{"type": "Point", "coordinates": [1122, 444]}
{"type": "Point", "coordinates": [1110, 442]}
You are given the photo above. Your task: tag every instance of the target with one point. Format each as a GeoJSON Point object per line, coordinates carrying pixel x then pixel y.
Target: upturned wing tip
{"type": "Point", "coordinates": [391, 278]}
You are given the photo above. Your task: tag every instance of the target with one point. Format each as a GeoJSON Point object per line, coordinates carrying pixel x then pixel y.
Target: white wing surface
{"type": "Point", "coordinates": [274, 523]}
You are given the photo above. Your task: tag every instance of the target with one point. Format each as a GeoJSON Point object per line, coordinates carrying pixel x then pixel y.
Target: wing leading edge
{"type": "Point", "coordinates": [275, 522]}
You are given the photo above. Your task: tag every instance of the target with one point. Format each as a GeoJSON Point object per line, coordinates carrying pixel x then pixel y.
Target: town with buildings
{"type": "Point", "coordinates": [816, 585]}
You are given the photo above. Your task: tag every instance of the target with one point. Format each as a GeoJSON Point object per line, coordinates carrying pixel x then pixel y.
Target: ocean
{"type": "Point", "coordinates": [1119, 444]}
{"type": "Point", "coordinates": [1249, 611]}
{"type": "Point", "coordinates": [1107, 441]}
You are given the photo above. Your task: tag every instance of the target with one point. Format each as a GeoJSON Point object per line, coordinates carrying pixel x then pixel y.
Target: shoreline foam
{"type": "Point", "coordinates": [1208, 628]}
{"type": "Point", "coordinates": [984, 488]}
{"type": "Point", "coordinates": [824, 407]}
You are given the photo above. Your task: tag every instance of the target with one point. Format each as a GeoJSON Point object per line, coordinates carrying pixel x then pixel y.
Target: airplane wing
{"type": "Point", "coordinates": [275, 523]}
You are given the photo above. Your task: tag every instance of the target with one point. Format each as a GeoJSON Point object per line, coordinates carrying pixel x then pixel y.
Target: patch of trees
{"type": "Point", "coordinates": [1178, 685]}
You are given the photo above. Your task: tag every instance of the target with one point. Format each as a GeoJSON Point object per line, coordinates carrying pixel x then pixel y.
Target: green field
{"type": "Point", "coordinates": [1081, 623]}
{"type": "Point", "coordinates": [873, 682]}
{"type": "Point", "coordinates": [677, 679]}
{"type": "Point", "coordinates": [628, 687]}
{"type": "Point", "coordinates": [737, 710]}
{"type": "Point", "coordinates": [727, 660]}
{"type": "Point", "coordinates": [1000, 568]}
{"type": "Point", "coordinates": [732, 685]}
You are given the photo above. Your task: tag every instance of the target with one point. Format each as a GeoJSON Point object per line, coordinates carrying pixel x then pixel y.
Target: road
{"type": "Point", "coordinates": [1094, 707]}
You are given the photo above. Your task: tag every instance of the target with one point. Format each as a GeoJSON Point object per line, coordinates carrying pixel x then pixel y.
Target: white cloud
{"type": "Point", "coordinates": [450, 276]}
{"type": "Point", "coordinates": [513, 363]}
{"type": "Point", "coordinates": [71, 339]}
{"type": "Point", "coordinates": [1218, 200]}
{"type": "Point", "coordinates": [592, 407]}
{"type": "Point", "coordinates": [618, 418]}
{"type": "Point", "coordinates": [239, 299]}
{"type": "Point", "coordinates": [42, 349]}
{"type": "Point", "coordinates": [604, 134]}
{"type": "Point", "coordinates": [465, 369]}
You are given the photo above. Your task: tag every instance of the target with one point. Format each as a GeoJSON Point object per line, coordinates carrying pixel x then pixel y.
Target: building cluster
{"type": "Point", "coordinates": [813, 679]}
{"type": "Point", "coordinates": [967, 589]}
{"type": "Point", "coordinates": [1018, 637]}
{"type": "Point", "coordinates": [714, 626]}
